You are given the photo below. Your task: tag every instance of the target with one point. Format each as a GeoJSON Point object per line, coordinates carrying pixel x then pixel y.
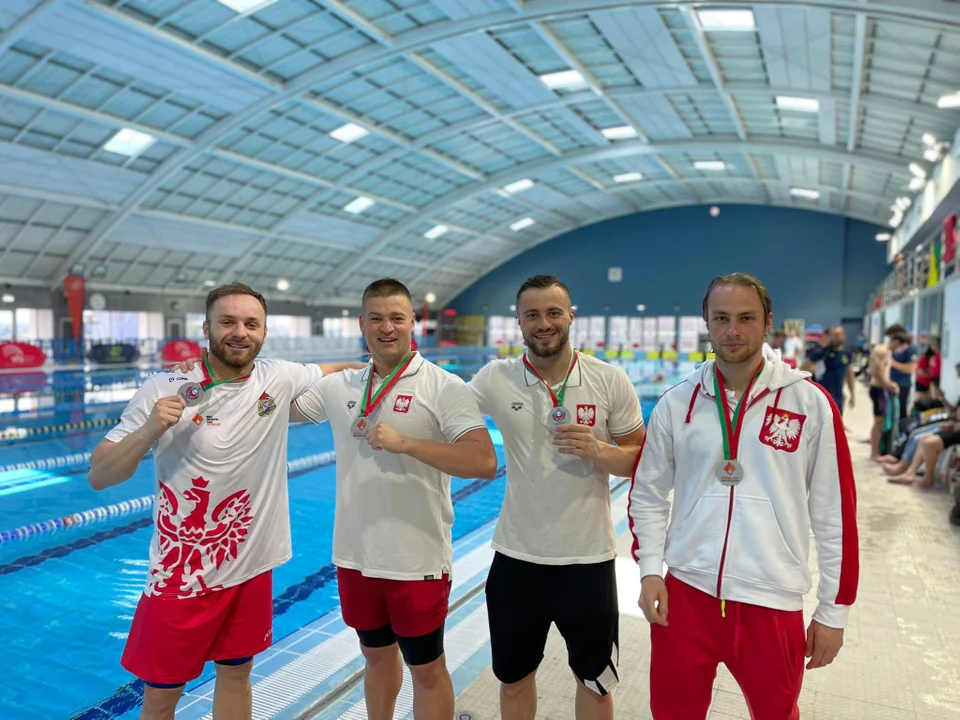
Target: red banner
{"type": "Point", "coordinates": [74, 290]}
{"type": "Point", "coordinates": [181, 350]}
{"type": "Point", "coordinates": [20, 355]}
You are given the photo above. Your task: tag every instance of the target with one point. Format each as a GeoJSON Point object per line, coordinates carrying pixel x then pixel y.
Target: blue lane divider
{"type": "Point", "coordinates": [113, 510]}
{"type": "Point", "coordinates": [63, 462]}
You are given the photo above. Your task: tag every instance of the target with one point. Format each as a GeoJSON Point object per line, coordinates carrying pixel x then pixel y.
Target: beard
{"type": "Point", "coordinates": [742, 354]}
{"type": "Point", "coordinates": [234, 358]}
{"type": "Point", "coordinates": [550, 348]}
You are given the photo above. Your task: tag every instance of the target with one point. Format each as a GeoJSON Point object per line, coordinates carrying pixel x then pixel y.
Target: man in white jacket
{"type": "Point", "coordinates": [755, 455]}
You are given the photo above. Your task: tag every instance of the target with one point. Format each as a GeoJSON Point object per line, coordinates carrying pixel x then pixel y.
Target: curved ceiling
{"type": "Point", "coordinates": [330, 142]}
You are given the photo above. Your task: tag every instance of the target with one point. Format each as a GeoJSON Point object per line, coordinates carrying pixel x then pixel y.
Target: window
{"type": "Point", "coordinates": [122, 326]}
{"type": "Point", "coordinates": [6, 325]}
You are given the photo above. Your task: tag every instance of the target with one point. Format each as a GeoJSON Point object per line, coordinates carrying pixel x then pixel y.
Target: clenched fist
{"type": "Point", "coordinates": [166, 413]}
{"type": "Point", "coordinates": [383, 437]}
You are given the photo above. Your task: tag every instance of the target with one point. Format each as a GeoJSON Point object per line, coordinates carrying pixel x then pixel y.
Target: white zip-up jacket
{"type": "Point", "coordinates": [750, 543]}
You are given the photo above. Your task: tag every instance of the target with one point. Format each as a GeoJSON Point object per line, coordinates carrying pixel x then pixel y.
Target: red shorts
{"type": "Point", "coordinates": [413, 608]}
{"type": "Point", "coordinates": [171, 638]}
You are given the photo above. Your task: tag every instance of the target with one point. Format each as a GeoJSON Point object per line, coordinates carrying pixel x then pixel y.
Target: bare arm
{"type": "Point", "coordinates": [472, 456]}
{"type": "Point", "coordinates": [330, 368]}
{"type": "Point", "coordinates": [115, 462]}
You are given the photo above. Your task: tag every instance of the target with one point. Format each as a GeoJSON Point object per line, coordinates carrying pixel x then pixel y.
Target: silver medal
{"type": "Point", "coordinates": [192, 393]}
{"type": "Point", "coordinates": [729, 472]}
{"type": "Point", "coordinates": [359, 427]}
{"type": "Point", "coordinates": [559, 415]}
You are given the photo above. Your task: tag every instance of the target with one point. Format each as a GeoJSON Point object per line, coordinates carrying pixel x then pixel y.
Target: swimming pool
{"type": "Point", "coordinates": [69, 595]}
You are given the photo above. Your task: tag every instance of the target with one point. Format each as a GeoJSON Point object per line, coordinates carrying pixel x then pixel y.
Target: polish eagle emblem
{"type": "Point", "coordinates": [200, 542]}
{"type": "Point", "coordinates": [782, 429]}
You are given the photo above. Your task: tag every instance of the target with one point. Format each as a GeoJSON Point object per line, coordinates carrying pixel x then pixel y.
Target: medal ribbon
{"type": "Point", "coordinates": [731, 429]}
{"type": "Point", "coordinates": [371, 403]}
{"type": "Point", "coordinates": [556, 399]}
{"type": "Point", "coordinates": [209, 381]}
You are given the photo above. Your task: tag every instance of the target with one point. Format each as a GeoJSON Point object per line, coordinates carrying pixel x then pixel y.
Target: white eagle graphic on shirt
{"type": "Point", "coordinates": [585, 415]}
{"type": "Point", "coordinates": [783, 430]}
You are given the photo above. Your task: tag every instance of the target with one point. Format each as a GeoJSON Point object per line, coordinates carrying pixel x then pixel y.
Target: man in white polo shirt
{"type": "Point", "coordinates": [220, 437]}
{"type": "Point", "coordinates": [401, 428]}
{"type": "Point", "coordinates": [560, 413]}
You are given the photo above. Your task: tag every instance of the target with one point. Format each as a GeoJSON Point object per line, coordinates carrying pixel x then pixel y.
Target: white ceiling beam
{"type": "Point", "coordinates": [859, 52]}
{"type": "Point", "coordinates": [100, 118]}
{"type": "Point", "coordinates": [888, 164]}
{"type": "Point", "coordinates": [445, 298]}
{"type": "Point", "coordinates": [406, 44]}
{"type": "Point", "coordinates": [10, 36]}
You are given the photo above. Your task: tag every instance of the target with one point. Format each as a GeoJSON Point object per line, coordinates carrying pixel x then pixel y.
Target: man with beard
{"type": "Point", "coordinates": [755, 455]}
{"type": "Point", "coordinates": [219, 435]}
{"type": "Point", "coordinates": [401, 428]}
{"type": "Point", "coordinates": [837, 363]}
{"type": "Point", "coordinates": [568, 422]}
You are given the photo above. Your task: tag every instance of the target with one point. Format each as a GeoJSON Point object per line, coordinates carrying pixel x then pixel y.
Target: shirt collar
{"type": "Point", "coordinates": [576, 377]}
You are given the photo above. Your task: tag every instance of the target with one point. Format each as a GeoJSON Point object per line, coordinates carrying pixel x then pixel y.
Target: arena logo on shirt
{"type": "Point", "coordinates": [587, 415]}
{"type": "Point", "coordinates": [198, 419]}
{"type": "Point", "coordinates": [266, 405]}
{"type": "Point", "coordinates": [402, 403]}
{"type": "Point", "coordinates": [781, 429]}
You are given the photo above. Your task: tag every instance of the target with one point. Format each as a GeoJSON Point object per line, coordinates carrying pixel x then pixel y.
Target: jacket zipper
{"type": "Point", "coordinates": [726, 534]}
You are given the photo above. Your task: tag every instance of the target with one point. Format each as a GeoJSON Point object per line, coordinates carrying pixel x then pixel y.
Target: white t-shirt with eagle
{"type": "Point", "coordinates": [221, 512]}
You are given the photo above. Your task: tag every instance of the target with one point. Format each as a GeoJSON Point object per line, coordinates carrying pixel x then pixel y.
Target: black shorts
{"type": "Point", "coordinates": [949, 437]}
{"type": "Point", "coordinates": [881, 400]}
{"type": "Point", "coordinates": [524, 598]}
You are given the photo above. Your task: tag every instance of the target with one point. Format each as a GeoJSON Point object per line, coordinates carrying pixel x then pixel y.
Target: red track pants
{"type": "Point", "coordinates": [763, 649]}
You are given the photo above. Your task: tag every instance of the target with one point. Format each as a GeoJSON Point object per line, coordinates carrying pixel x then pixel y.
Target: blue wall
{"type": "Point", "coordinates": [817, 266]}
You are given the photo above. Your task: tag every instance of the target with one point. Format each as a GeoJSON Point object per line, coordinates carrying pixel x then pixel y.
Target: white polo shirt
{"type": "Point", "coordinates": [394, 513]}
{"type": "Point", "coordinates": [557, 507]}
{"type": "Point", "coordinates": [221, 514]}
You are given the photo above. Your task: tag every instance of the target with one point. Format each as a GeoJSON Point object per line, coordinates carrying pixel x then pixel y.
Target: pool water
{"type": "Point", "coordinates": [68, 597]}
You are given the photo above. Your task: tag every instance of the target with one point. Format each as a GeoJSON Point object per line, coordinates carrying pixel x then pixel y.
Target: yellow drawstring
{"type": "Point", "coordinates": [723, 608]}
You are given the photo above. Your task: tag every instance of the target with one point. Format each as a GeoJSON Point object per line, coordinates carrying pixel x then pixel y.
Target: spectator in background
{"type": "Point", "coordinates": [793, 349]}
{"type": "Point", "coordinates": [837, 367]}
{"type": "Point", "coordinates": [903, 364]}
{"type": "Point", "coordinates": [928, 372]}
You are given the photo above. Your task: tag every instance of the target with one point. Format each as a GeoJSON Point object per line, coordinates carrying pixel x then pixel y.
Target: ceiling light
{"type": "Point", "coordinates": [563, 80]}
{"type": "Point", "coordinates": [949, 101]}
{"type": "Point", "coordinates": [902, 203]}
{"type": "Point", "coordinates": [882, 237]}
{"type": "Point", "coordinates": [627, 177]}
{"type": "Point", "coordinates": [209, 283]}
{"type": "Point", "coordinates": [283, 284]}
{"type": "Point", "coordinates": [357, 206]}
{"type": "Point", "coordinates": [518, 186]}
{"type": "Point", "coordinates": [799, 104]}
{"type": "Point", "coordinates": [621, 132]}
{"type": "Point", "coordinates": [709, 165]}
{"type": "Point", "coordinates": [349, 133]}
{"type": "Point", "coordinates": [641, 308]}
{"type": "Point", "coordinates": [805, 193]}
{"type": "Point", "coordinates": [246, 6]}
{"type": "Point", "coordinates": [931, 154]}
{"type": "Point", "coordinates": [7, 298]}
{"type": "Point", "coordinates": [719, 20]}
{"type": "Point", "coordinates": [929, 139]}
{"type": "Point", "coordinates": [129, 142]}
{"type": "Point", "coordinates": [521, 224]}
{"type": "Point", "coordinates": [430, 297]}
{"type": "Point", "coordinates": [916, 184]}
{"type": "Point", "coordinates": [917, 170]}
{"type": "Point", "coordinates": [435, 232]}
